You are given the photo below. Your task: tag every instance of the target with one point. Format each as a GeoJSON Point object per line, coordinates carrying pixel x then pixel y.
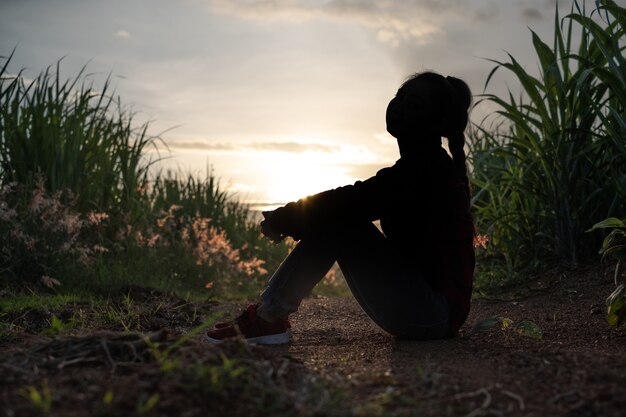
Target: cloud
{"type": "Point", "coordinates": [388, 37]}
{"type": "Point", "coordinates": [11, 76]}
{"type": "Point", "coordinates": [531, 13]}
{"type": "Point", "coordinates": [290, 147]}
{"type": "Point", "coordinates": [412, 31]}
{"type": "Point", "coordinates": [392, 21]}
{"type": "Point", "coordinates": [293, 147]}
{"type": "Point", "coordinates": [122, 34]}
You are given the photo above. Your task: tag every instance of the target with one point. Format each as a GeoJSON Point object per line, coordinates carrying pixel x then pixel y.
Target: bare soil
{"type": "Point", "coordinates": [339, 362]}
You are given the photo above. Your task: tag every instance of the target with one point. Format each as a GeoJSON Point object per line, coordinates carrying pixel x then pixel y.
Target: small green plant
{"type": "Point", "coordinates": [216, 378]}
{"type": "Point", "coordinates": [616, 306]}
{"type": "Point", "coordinates": [57, 326]}
{"type": "Point", "coordinates": [164, 356]}
{"type": "Point", "coordinates": [524, 328]}
{"type": "Point", "coordinates": [40, 399]}
{"type": "Point", "coordinates": [378, 404]}
{"type": "Point", "coordinates": [145, 405]}
{"type": "Point", "coordinates": [107, 399]}
{"type": "Point", "coordinates": [103, 409]}
{"type": "Point", "coordinates": [126, 314]}
{"type": "Point", "coordinates": [614, 248]}
{"type": "Point", "coordinates": [614, 245]}
{"type": "Point", "coordinates": [7, 332]}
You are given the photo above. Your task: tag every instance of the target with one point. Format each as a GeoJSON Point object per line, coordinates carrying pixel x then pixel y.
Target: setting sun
{"type": "Point", "coordinates": [298, 176]}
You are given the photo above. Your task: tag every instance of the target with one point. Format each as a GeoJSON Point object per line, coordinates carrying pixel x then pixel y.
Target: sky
{"type": "Point", "coordinates": [281, 98]}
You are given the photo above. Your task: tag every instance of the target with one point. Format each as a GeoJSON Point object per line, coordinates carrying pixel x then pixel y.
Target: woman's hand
{"type": "Point", "coordinates": [267, 230]}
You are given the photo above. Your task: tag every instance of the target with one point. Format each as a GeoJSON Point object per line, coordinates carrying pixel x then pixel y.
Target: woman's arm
{"type": "Point", "coordinates": [363, 200]}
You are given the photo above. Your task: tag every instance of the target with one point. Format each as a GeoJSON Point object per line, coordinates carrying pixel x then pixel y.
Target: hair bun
{"type": "Point", "coordinates": [462, 90]}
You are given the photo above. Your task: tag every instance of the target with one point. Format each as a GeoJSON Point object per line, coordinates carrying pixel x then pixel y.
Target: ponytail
{"type": "Point", "coordinates": [456, 138]}
{"type": "Point", "coordinates": [453, 100]}
{"type": "Point", "coordinates": [456, 144]}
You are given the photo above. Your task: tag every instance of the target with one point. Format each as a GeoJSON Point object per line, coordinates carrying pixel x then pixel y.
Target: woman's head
{"type": "Point", "coordinates": [428, 106]}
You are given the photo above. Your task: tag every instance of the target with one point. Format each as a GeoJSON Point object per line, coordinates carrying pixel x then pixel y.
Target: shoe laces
{"type": "Point", "coordinates": [248, 314]}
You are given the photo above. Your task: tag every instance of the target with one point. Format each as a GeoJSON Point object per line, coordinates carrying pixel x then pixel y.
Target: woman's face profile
{"type": "Point", "coordinates": [410, 112]}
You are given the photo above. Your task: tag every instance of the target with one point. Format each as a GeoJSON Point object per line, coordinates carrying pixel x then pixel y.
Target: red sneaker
{"type": "Point", "coordinates": [252, 328]}
{"type": "Point", "coordinates": [228, 323]}
{"type": "Point", "coordinates": [222, 324]}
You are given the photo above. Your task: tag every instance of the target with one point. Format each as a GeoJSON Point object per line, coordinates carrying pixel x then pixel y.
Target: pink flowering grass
{"type": "Point", "coordinates": [480, 241]}
{"type": "Point", "coordinates": [78, 207]}
{"type": "Point", "coordinates": [39, 233]}
{"type": "Point", "coordinates": [45, 240]}
{"type": "Point", "coordinates": [210, 247]}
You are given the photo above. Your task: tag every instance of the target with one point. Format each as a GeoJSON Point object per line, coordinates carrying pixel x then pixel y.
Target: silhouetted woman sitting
{"type": "Point", "coordinates": [415, 280]}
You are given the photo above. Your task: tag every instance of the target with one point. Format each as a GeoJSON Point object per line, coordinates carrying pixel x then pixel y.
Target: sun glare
{"type": "Point", "coordinates": [268, 174]}
{"type": "Point", "coordinates": [296, 176]}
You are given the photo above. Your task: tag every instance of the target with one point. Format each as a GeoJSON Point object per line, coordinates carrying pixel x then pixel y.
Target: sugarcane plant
{"type": "Point", "coordinates": [551, 161]}
{"type": "Point", "coordinates": [614, 248]}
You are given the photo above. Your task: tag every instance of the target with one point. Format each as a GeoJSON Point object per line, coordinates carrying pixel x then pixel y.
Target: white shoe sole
{"type": "Point", "coordinates": [272, 339]}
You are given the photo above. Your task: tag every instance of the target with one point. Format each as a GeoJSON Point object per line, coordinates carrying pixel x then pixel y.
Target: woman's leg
{"type": "Point", "coordinates": [388, 288]}
{"type": "Point", "coordinates": [294, 279]}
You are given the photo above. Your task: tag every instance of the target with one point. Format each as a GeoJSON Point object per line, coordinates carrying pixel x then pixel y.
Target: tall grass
{"type": "Point", "coordinates": [553, 162]}
{"type": "Point", "coordinates": [608, 66]}
{"type": "Point", "coordinates": [204, 198]}
{"type": "Point", "coordinates": [76, 137]}
{"type": "Point", "coordinates": [76, 149]}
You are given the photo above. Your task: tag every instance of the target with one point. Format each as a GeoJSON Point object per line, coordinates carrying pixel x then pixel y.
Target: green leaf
{"type": "Point", "coordinates": [529, 329]}
{"type": "Point", "coordinates": [611, 222]}
{"type": "Point", "coordinates": [616, 306]}
{"type": "Point", "coordinates": [56, 323]}
{"type": "Point", "coordinates": [56, 326]}
{"type": "Point", "coordinates": [108, 397]}
{"type": "Point", "coordinates": [505, 323]}
{"type": "Point", "coordinates": [486, 324]}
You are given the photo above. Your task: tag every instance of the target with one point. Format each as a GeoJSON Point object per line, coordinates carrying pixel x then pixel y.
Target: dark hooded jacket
{"type": "Point", "coordinates": [423, 208]}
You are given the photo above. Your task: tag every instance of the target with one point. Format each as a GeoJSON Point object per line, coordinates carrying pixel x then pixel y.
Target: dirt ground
{"type": "Point", "coordinates": [339, 362]}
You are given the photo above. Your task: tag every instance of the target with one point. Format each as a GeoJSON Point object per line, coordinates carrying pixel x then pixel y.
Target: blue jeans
{"type": "Point", "coordinates": [389, 288]}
